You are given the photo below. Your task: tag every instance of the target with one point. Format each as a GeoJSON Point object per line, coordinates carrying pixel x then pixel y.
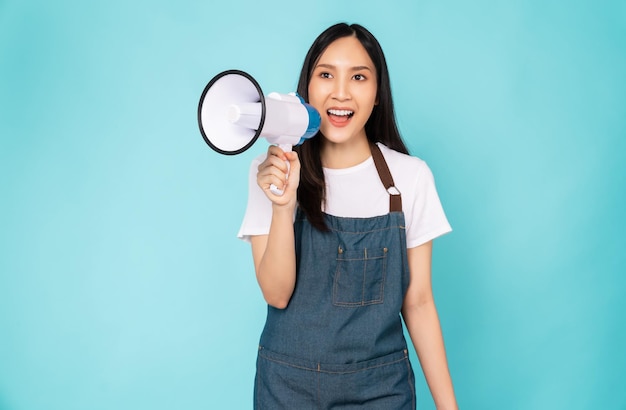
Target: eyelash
{"type": "Point", "coordinates": [361, 77]}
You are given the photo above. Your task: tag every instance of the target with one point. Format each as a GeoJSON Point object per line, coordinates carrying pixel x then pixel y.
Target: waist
{"type": "Point", "coordinates": [347, 336]}
{"type": "Point", "coordinates": [335, 368]}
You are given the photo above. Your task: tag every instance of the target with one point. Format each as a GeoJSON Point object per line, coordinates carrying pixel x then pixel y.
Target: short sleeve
{"type": "Point", "coordinates": [428, 220]}
{"type": "Point", "coordinates": [258, 216]}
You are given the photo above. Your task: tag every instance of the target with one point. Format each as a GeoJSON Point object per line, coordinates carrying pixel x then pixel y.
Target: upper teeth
{"type": "Point", "coordinates": [340, 112]}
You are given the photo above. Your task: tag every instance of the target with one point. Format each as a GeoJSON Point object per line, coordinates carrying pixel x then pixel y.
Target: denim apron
{"type": "Point", "coordinates": [339, 343]}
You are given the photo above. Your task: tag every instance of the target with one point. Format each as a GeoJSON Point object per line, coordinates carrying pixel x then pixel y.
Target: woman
{"type": "Point", "coordinates": [335, 258]}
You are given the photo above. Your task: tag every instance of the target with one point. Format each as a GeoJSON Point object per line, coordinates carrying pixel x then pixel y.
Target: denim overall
{"type": "Point", "coordinates": [339, 343]}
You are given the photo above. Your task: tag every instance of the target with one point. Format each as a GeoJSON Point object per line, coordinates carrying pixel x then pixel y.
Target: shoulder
{"type": "Point", "coordinates": [424, 215]}
{"type": "Point", "coordinates": [403, 165]}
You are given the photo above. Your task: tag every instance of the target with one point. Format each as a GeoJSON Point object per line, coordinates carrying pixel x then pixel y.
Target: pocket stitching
{"type": "Point", "coordinates": [360, 255]}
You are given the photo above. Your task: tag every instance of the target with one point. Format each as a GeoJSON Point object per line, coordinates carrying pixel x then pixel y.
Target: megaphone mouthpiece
{"type": "Point", "coordinates": [245, 115]}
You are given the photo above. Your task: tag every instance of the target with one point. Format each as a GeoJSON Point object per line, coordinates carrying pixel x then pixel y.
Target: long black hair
{"type": "Point", "coordinates": [380, 127]}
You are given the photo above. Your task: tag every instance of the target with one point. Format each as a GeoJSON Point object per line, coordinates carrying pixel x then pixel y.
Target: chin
{"type": "Point", "coordinates": [335, 136]}
{"type": "Point", "coordinates": [335, 139]}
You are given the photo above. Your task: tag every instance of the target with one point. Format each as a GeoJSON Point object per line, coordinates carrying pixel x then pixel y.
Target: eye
{"type": "Point", "coordinates": [325, 75]}
{"type": "Point", "coordinates": [359, 77]}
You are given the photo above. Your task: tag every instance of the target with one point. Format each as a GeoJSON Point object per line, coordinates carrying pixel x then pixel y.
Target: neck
{"type": "Point", "coordinates": [344, 155]}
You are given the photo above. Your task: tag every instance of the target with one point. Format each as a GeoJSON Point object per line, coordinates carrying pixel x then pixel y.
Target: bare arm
{"type": "Point", "coordinates": [274, 254]}
{"type": "Point", "coordinates": [422, 321]}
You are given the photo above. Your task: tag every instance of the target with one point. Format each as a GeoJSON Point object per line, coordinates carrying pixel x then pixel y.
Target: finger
{"type": "Point", "coordinates": [275, 167]}
{"type": "Point", "coordinates": [269, 176]}
{"type": "Point", "coordinates": [278, 180]}
{"type": "Point", "coordinates": [277, 161]}
{"type": "Point", "coordinates": [294, 163]}
{"type": "Point", "coordinates": [293, 158]}
{"type": "Point", "coordinates": [275, 150]}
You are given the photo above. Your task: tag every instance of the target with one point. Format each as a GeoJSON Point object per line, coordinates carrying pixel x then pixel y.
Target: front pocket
{"type": "Point", "coordinates": [360, 277]}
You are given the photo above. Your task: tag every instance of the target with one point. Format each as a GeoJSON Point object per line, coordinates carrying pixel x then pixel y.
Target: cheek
{"type": "Point", "coordinates": [315, 97]}
{"type": "Point", "coordinates": [369, 98]}
{"type": "Point", "coordinates": [312, 93]}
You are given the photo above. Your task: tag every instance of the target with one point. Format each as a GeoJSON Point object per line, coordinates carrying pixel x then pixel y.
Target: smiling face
{"type": "Point", "coordinates": [343, 89]}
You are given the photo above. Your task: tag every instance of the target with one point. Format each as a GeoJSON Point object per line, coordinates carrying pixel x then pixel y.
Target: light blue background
{"type": "Point", "coordinates": [122, 285]}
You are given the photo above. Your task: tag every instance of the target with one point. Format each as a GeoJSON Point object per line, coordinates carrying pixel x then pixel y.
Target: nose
{"type": "Point", "coordinates": [341, 89]}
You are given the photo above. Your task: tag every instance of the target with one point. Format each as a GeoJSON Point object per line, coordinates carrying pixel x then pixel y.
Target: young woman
{"type": "Point", "coordinates": [345, 252]}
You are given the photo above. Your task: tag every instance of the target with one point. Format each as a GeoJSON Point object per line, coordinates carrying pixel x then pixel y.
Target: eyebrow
{"type": "Point", "coordinates": [355, 68]}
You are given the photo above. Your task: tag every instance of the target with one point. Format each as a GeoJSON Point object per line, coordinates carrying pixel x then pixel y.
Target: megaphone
{"type": "Point", "coordinates": [233, 113]}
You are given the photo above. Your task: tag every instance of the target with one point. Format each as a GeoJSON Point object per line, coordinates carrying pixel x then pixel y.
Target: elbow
{"type": "Point", "coordinates": [277, 294]}
{"type": "Point", "coordinates": [278, 302]}
{"type": "Point", "coordinates": [277, 289]}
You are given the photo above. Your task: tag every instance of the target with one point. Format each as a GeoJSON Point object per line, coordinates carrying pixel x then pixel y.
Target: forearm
{"type": "Point", "coordinates": [422, 322]}
{"type": "Point", "coordinates": [276, 270]}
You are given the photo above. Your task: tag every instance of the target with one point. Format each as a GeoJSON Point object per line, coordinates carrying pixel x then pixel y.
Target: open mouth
{"type": "Point", "coordinates": [341, 113]}
{"type": "Point", "coordinates": [339, 118]}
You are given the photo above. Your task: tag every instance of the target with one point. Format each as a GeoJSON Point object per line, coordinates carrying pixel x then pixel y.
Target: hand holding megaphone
{"type": "Point", "coordinates": [233, 113]}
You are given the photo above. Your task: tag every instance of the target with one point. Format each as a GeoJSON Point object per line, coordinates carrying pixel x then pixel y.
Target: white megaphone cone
{"type": "Point", "coordinates": [233, 113]}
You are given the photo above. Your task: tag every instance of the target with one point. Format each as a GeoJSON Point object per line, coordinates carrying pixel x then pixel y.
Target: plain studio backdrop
{"type": "Point", "coordinates": [122, 283]}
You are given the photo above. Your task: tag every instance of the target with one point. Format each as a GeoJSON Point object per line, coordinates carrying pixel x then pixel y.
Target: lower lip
{"type": "Point", "coordinates": [337, 121]}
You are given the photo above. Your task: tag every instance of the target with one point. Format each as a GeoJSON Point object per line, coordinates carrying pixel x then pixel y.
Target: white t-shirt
{"type": "Point", "coordinates": [358, 192]}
